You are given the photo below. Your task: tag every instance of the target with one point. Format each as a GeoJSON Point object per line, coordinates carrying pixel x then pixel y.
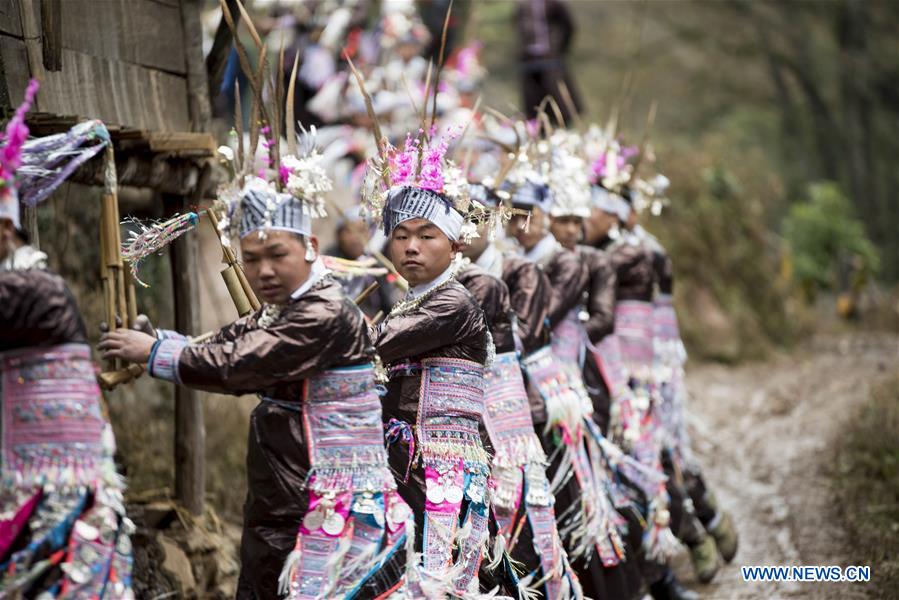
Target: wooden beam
{"type": "Point", "coordinates": [166, 175]}
{"type": "Point", "coordinates": [51, 26]}
{"type": "Point", "coordinates": [197, 85]}
{"type": "Point", "coordinates": [190, 429]}
{"type": "Point", "coordinates": [221, 47]}
{"type": "Point", "coordinates": [195, 143]}
{"type": "Point", "coordinates": [116, 92]}
{"type": "Point", "coordinates": [32, 34]}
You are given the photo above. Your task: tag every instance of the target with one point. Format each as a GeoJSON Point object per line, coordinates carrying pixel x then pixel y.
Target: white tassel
{"type": "Point", "coordinates": [463, 534]}
{"type": "Point", "coordinates": [335, 562]}
{"type": "Point", "coordinates": [525, 591]}
{"type": "Point", "coordinates": [499, 549]}
{"type": "Point", "coordinates": [290, 565]}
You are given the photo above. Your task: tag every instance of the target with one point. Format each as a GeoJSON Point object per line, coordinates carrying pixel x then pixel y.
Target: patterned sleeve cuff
{"type": "Point", "coordinates": [168, 334]}
{"type": "Point", "coordinates": [163, 363]}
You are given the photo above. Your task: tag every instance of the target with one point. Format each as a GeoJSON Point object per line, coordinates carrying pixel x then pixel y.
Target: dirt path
{"type": "Point", "coordinates": [764, 435]}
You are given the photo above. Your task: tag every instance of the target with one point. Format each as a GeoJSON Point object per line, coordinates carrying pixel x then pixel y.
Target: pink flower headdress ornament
{"type": "Point", "coordinates": [273, 186]}
{"type": "Point", "coordinates": [611, 168]}
{"type": "Point", "coordinates": [617, 186]}
{"type": "Point", "coordinates": [12, 141]}
{"type": "Point", "coordinates": [417, 181]}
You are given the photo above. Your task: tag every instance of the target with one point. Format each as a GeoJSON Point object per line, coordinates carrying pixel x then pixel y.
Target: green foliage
{"type": "Point", "coordinates": [826, 238]}
{"type": "Point", "coordinates": [732, 302]}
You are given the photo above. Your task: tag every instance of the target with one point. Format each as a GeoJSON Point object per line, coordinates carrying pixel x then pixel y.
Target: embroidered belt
{"type": "Point", "coordinates": [53, 427]}
{"type": "Point", "coordinates": [560, 386]}
{"type": "Point", "coordinates": [633, 326]}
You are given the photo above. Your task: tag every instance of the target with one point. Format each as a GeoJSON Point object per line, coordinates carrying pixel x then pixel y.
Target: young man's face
{"type": "Point", "coordinates": [567, 230]}
{"type": "Point", "coordinates": [276, 266]}
{"type": "Point", "coordinates": [420, 251]}
{"type": "Point", "coordinates": [528, 234]}
{"type": "Point", "coordinates": [598, 225]}
{"type": "Point", "coordinates": [352, 239]}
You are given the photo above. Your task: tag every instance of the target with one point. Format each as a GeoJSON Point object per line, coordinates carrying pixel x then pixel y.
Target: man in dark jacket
{"type": "Point", "coordinates": [546, 30]}
{"type": "Point", "coordinates": [307, 334]}
{"type": "Point", "coordinates": [434, 345]}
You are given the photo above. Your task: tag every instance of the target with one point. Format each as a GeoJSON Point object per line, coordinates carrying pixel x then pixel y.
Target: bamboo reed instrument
{"type": "Point", "coordinates": [241, 293]}
{"type": "Point", "coordinates": [119, 298]}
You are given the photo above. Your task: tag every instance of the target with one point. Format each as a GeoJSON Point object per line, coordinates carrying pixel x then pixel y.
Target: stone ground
{"type": "Point", "coordinates": [764, 433]}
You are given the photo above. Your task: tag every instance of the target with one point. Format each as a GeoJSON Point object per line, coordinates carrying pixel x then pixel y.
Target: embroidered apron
{"type": "Point", "coordinates": [519, 469]}
{"type": "Point", "coordinates": [451, 406]}
{"type": "Point", "coordinates": [56, 454]}
{"type": "Point", "coordinates": [352, 493]}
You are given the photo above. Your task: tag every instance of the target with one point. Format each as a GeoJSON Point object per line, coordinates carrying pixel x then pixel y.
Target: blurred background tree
{"type": "Point", "coordinates": [830, 250]}
{"type": "Point", "coordinates": [759, 101]}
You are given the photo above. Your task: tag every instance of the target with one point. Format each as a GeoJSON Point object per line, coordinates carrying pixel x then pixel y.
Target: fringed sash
{"type": "Point", "coordinates": [57, 454]}
{"type": "Point", "coordinates": [451, 405]}
{"type": "Point", "coordinates": [588, 524]}
{"type": "Point", "coordinates": [519, 469]}
{"type": "Point", "coordinates": [634, 329]}
{"type": "Point", "coordinates": [340, 539]}
{"type": "Point", "coordinates": [668, 371]}
{"type": "Point", "coordinates": [607, 354]}
{"type": "Point", "coordinates": [638, 418]}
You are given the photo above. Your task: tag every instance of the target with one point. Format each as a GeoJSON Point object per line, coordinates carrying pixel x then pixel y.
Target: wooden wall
{"type": "Point", "coordinates": [123, 61]}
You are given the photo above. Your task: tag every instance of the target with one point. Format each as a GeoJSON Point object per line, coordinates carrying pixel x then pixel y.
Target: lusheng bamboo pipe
{"type": "Point", "coordinates": [241, 293]}
{"type": "Point", "coordinates": [118, 286]}
{"type": "Point", "coordinates": [364, 294]}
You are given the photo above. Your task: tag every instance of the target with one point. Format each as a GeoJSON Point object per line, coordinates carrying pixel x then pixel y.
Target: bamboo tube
{"type": "Point", "coordinates": [110, 379]}
{"type": "Point", "coordinates": [118, 287]}
{"type": "Point", "coordinates": [229, 258]}
{"type": "Point", "coordinates": [232, 282]}
{"type": "Point", "coordinates": [363, 296]}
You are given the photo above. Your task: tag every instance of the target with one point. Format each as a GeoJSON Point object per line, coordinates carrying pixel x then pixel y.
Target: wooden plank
{"type": "Point", "coordinates": [51, 26]}
{"type": "Point", "coordinates": [31, 30]}
{"type": "Point", "coordinates": [199, 106]}
{"type": "Point", "coordinates": [15, 72]}
{"type": "Point", "coordinates": [190, 429]}
{"type": "Point", "coordinates": [139, 32]}
{"type": "Point", "coordinates": [115, 92]}
{"type": "Point", "coordinates": [183, 142]}
{"type": "Point", "coordinates": [157, 36]}
{"type": "Point", "coordinates": [10, 21]}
